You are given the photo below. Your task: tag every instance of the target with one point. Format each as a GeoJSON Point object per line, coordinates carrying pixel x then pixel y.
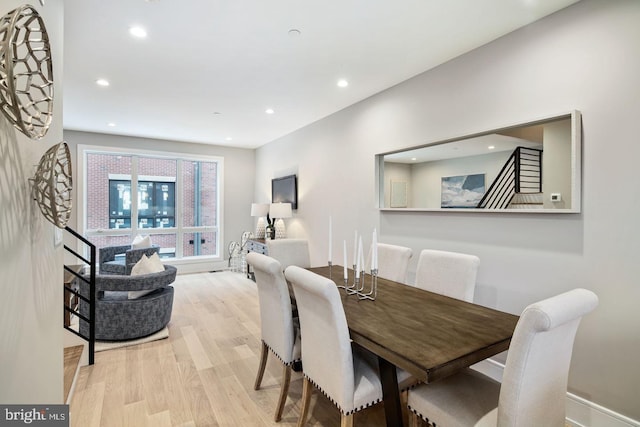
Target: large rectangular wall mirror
{"type": "Point", "coordinates": [529, 167]}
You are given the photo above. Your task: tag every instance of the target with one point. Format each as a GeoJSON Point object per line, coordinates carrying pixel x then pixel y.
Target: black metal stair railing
{"type": "Point", "coordinates": [521, 173]}
{"type": "Point", "coordinates": [89, 299]}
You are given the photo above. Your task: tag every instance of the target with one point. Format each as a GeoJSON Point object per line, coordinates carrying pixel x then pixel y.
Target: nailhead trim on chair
{"type": "Point", "coordinates": [411, 387]}
{"type": "Point", "coordinates": [422, 417]}
{"type": "Point", "coordinates": [342, 411]}
{"type": "Point", "coordinates": [280, 358]}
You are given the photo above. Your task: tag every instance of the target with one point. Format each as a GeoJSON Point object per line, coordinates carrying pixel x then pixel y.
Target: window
{"type": "Point", "coordinates": [175, 200]}
{"type": "Point", "coordinates": [156, 204]}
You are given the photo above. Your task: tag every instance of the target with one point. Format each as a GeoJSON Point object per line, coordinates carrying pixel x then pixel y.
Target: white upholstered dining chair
{"type": "Point", "coordinates": [393, 262]}
{"type": "Point", "coordinates": [534, 383]}
{"type": "Point", "coordinates": [289, 252]}
{"type": "Point", "coordinates": [447, 273]}
{"type": "Point", "coordinates": [278, 332]}
{"type": "Point", "coordinates": [341, 371]}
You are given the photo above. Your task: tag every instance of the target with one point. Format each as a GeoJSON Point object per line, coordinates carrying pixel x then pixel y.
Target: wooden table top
{"type": "Point", "coordinates": [427, 334]}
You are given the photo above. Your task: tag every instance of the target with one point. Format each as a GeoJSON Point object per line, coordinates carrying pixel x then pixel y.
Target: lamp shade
{"type": "Point", "coordinates": [280, 210]}
{"type": "Point", "coordinates": [259, 209]}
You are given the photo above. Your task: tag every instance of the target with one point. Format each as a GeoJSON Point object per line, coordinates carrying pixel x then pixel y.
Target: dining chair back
{"type": "Point", "coordinates": [534, 383]}
{"type": "Point", "coordinates": [393, 262]}
{"type": "Point", "coordinates": [342, 372]}
{"type": "Point", "coordinates": [447, 273]}
{"type": "Point", "coordinates": [278, 331]}
{"type": "Point", "coordinates": [289, 252]}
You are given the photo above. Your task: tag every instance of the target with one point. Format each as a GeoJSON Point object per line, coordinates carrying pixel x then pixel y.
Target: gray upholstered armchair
{"type": "Point", "coordinates": [120, 318]}
{"type": "Point", "coordinates": [108, 264]}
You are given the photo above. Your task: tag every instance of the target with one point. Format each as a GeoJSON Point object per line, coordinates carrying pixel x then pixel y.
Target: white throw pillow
{"type": "Point", "coordinates": [146, 265]}
{"type": "Point", "coordinates": [141, 242]}
{"type": "Point", "coordinates": [156, 264]}
{"type": "Point", "coordinates": [141, 267]}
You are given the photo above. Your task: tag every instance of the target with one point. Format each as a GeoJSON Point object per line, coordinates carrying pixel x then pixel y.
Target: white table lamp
{"type": "Point", "coordinates": [277, 212]}
{"type": "Point", "coordinates": [260, 210]}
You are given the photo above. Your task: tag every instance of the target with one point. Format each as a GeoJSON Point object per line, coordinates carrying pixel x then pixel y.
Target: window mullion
{"type": "Point", "coordinates": [134, 195]}
{"type": "Point", "coordinates": [178, 208]}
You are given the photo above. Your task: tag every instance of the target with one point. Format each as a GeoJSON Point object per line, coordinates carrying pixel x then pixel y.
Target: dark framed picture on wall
{"type": "Point", "coordinates": [285, 190]}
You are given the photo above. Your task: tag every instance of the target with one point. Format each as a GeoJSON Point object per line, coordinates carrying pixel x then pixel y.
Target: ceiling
{"type": "Point", "coordinates": [209, 69]}
{"type": "Point", "coordinates": [475, 146]}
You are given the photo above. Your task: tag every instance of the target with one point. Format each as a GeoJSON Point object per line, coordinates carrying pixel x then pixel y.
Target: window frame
{"type": "Point", "coordinates": [179, 230]}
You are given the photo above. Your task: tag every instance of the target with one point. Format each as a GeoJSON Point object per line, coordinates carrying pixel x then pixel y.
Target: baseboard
{"type": "Point", "coordinates": [584, 413]}
{"type": "Point", "coordinates": [580, 411]}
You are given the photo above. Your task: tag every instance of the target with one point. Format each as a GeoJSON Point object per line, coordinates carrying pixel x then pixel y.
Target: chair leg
{"type": "Point", "coordinates": [284, 389]}
{"type": "Point", "coordinates": [416, 421]}
{"type": "Point", "coordinates": [404, 399]}
{"type": "Point", "coordinates": [263, 364]}
{"type": "Point", "coordinates": [307, 388]}
{"type": "Point", "coordinates": [346, 421]}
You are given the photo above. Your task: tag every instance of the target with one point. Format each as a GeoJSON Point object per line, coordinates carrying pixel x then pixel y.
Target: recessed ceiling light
{"type": "Point", "coordinates": [294, 32]}
{"type": "Point", "coordinates": [138, 32]}
{"type": "Point", "coordinates": [343, 83]}
{"type": "Point", "coordinates": [491, 147]}
{"type": "Point", "coordinates": [414, 159]}
{"type": "Point", "coordinates": [228, 138]}
{"type": "Point", "coordinates": [102, 82]}
{"type": "Point", "coordinates": [111, 124]}
{"type": "Point", "coordinates": [269, 111]}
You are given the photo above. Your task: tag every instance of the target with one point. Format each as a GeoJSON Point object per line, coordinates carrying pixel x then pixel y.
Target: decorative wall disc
{"type": "Point", "coordinates": [26, 72]}
{"type": "Point", "coordinates": [52, 184]}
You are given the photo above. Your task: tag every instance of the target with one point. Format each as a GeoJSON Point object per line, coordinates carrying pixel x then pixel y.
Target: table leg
{"type": "Point", "coordinates": [390, 393]}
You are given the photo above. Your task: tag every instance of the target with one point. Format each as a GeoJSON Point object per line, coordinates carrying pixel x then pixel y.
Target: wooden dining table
{"type": "Point", "coordinates": [427, 334]}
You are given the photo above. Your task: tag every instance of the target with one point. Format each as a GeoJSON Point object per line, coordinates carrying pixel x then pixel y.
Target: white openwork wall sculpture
{"type": "Point", "coordinates": [52, 184]}
{"type": "Point", "coordinates": [26, 72]}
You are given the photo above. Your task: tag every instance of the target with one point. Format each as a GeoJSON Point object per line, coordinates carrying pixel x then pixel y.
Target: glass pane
{"type": "Point", "coordinates": [156, 193]}
{"type": "Point", "coordinates": [104, 241]}
{"type": "Point", "coordinates": [119, 203]}
{"type": "Point", "coordinates": [200, 194]}
{"type": "Point", "coordinates": [167, 243]}
{"type": "Point", "coordinates": [102, 212]}
{"type": "Point", "coordinates": [199, 244]}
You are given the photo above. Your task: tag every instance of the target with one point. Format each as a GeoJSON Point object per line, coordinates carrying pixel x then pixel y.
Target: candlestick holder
{"type": "Point", "coordinates": [330, 269]}
{"type": "Point", "coordinates": [357, 285]}
{"type": "Point", "coordinates": [345, 278]}
{"type": "Point", "coordinates": [353, 289]}
{"type": "Point", "coordinates": [373, 292]}
{"type": "Point", "coordinates": [346, 284]}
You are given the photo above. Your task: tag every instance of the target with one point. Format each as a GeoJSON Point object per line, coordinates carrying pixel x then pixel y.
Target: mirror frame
{"type": "Point", "coordinates": [576, 168]}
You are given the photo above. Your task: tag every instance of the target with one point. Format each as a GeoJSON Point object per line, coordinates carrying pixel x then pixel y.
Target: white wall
{"type": "Point", "coordinates": [31, 363]}
{"type": "Point", "coordinates": [585, 58]}
{"type": "Point", "coordinates": [239, 177]}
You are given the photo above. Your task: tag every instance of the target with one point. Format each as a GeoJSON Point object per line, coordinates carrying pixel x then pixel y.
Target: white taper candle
{"type": "Point", "coordinates": [355, 247]}
{"type": "Point", "coordinates": [345, 259]}
{"type": "Point", "coordinates": [330, 257]}
{"type": "Point", "coordinates": [374, 252]}
{"type": "Point", "coordinates": [359, 258]}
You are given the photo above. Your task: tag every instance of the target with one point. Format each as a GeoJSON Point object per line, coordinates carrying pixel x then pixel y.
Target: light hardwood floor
{"type": "Point", "coordinates": [203, 374]}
